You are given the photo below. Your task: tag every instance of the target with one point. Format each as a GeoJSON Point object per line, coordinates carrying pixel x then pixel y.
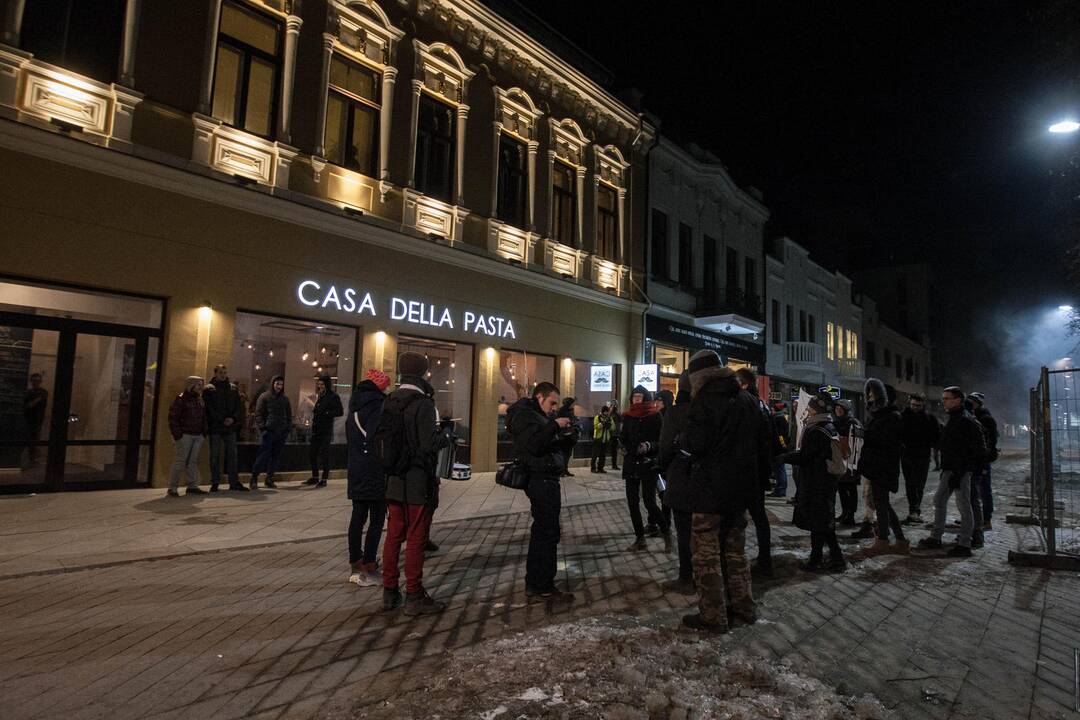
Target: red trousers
{"type": "Point", "coordinates": [407, 524]}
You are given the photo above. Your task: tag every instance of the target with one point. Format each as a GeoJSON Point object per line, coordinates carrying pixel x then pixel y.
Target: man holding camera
{"type": "Point", "coordinates": [541, 446]}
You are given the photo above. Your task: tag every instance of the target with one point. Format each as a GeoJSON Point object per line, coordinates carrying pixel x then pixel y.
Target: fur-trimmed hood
{"type": "Point", "coordinates": [702, 378]}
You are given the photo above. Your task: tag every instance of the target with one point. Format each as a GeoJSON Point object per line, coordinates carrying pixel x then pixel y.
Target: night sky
{"type": "Point", "coordinates": [882, 132]}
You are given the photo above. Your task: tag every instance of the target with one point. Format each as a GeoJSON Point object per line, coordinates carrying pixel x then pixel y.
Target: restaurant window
{"type": "Point", "coordinates": [607, 221]}
{"type": "Point", "coordinates": [686, 256]}
{"type": "Point", "coordinates": [352, 116]}
{"type": "Point", "coordinates": [246, 71]}
{"type": "Point", "coordinates": [518, 374]}
{"type": "Point", "coordinates": [708, 267]}
{"type": "Point", "coordinates": [79, 35]}
{"type": "Point", "coordinates": [298, 350]}
{"type": "Point", "coordinates": [830, 338]}
{"type": "Point", "coordinates": [588, 402]}
{"type": "Point", "coordinates": [658, 245]}
{"type": "Point", "coordinates": [672, 362]}
{"type": "Point", "coordinates": [840, 341]}
{"type": "Point", "coordinates": [564, 204]}
{"type": "Point", "coordinates": [512, 181]}
{"type": "Point", "coordinates": [450, 372]}
{"type": "Point", "coordinates": [435, 149]}
{"type": "Point", "coordinates": [852, 344]}
{"type": "Point", "coordinates": [776, 322]}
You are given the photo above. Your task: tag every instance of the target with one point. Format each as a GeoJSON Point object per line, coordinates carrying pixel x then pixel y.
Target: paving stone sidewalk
{"type": "Point", "coordinates": [276, 632]}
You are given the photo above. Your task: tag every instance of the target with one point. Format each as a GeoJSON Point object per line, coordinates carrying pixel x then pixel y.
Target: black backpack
{"type": "Point", "coordinates": [393, 447]}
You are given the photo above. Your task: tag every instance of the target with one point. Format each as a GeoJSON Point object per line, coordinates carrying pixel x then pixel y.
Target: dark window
{"type": "Point", "coordinates": [245, 77]}
{"type": "Point", "coordinates": [776, 322]}
{"type": "Point", "coordinates": [871, 353]}
{"type": "Point", "coordinates": [732, 272]}
{"type": "Point", "coordinates": [352, 117]}
{"type": "Point", "coordinates": [435, 149]}
{"type": "Point", "coordinates": [811, 334]}
{"type": "Point", "coordinates": [709, 268]}
{"type": "Point", "coordinates": [887, 357]}
{"type": "Point", "coordinates": [751, 278]}
{"type": "Point", "coordinates": [512, 181]}
{"type": "Point", "coordinates": [802, 326]}
{"type": "Point", "coordinates": [564, 204]}
{"type": "Point", "coordinates": [789, 325]}
{"type": "Point", "coordinates": [909, 370]}
{"type": "Point", "coordinates": [658, 247]}
{"type": "Point", "coordinates": [686, 256]}
{"type": "Point", "coordinates": [607, 222]}
{"type": "Point", "coordinates": [926, 375]}
{"type": "Point", "coordinates": [80, 35]}
{"type": "Point", "coordinates": [899, 365]}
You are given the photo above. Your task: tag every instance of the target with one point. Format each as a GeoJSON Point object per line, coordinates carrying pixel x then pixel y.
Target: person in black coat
{"type": "Point", "coordinates": [763, 565]}
{"type": "Point", "coordinates": [847, 487]}
{"type": "Point", "coordinates": [919, 431]}
{"type": "Point", "coordinates": [366, 479]}
{"type": "Point", "coordinates": [674, 465]}
{"type": "Point", "coordinates": [816, 498]}
{"type": "Point", "coordinates": [641, 425]}
{"type": "Point", "coordinates": [880, 463]}
{"type": "Point", "coordinates": [327, 409]}
{"type": "Point", "coordinates": [224, 416]}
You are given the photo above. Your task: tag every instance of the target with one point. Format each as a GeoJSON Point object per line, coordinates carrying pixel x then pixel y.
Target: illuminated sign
{"type": "Point", "coordinates": [416, 312]}
{"type": "Point", "coordinates": [647, 376]}
{"type": "Point", "coordinates": [600, 378]}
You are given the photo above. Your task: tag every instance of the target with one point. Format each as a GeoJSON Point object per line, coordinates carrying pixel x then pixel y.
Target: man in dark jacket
{"type": "Point", "coordinates": [849, 430]}
{"type": "Point", "coordinates": [880, 463]}
{"type": "Point", "coordinates": [327, 409]}
{"type": "Point", "coordinates": [273, 419]}
{"type": "Point", "coordinates": [919, 431]}
{"type": "Point", "coordinates": [224, 414]}
{"type": "Point", "coordinates": [722, 436]}
{"type": "Point", "coordinates": [187, 424]}
{"type": "Point", "coordinates": [412, 495]}
{"type": "Point", "coordinates": [981, 483]}
{"type": "Point", "coordinates": [366, 479]}
{"type": "Point", "coordinates": [541, 448]}
{"type": "Point", "coordinates": [963, 452]}
{"type": "Point", "coordinates": [641, 441]}
{"type": "Point", "coordinates": [763, 565]}
{"type": "Point", "coordinates": [781, 429]}
{"type": "Point", "coordinates": [674, 465]}
{"type": "Point", "coordinates": [816, 498]}
{"type": "Point", "coordinates": [572, 433]}
{"type": "Point", "coordinates": [616, 418]}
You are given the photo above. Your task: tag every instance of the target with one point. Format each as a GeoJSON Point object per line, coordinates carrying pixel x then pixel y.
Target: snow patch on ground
{"type": "Point", "coordinates": [619, 667]}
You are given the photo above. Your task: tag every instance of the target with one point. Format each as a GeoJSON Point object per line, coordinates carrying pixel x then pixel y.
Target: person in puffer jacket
{"type": "Point", "coordinates": [880, 463]}
{"type": "Point", "coordinates": [366, 479]}
{"type": "Point", "coordinates": [640, 438]}
{"type": "Point", "coordinates": [187, 423]}
{"type": "Point", "coordinates": [327, 409]}
{"type": "Point", "coordinates": [273, 418]}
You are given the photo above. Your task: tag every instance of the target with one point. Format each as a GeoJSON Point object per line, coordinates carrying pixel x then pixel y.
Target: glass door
{"type": "Point", "coordinates": [27, 382]}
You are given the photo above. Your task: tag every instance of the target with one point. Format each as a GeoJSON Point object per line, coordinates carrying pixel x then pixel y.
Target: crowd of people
{"type": "Point", "coordinates": [701, 462]}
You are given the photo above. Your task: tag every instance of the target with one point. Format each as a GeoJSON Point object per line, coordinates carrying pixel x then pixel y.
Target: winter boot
{"type": "Point", "coordinates": [837, 564]}
{"type": "Point", "coordinates": [959, 551]}
{"type": "Point", "coordinates": [652, 530]}
{"type": "Point", "coordinates": [928, 543]}
{"type": "Point", "coordinates": [864, 532]}
{"type": "Point", "coordinates": [638, 545]}
{"type": "Point", "coordinates": [901, 547]}
{"type": "Point", "coordinates": [668, 542]}
{"type": "Point", "coordinates": [694, 622]}
{"type": "Point", "coordinates": [391, 599]}
{"type": "Point", "coordinates": [430, 547]}
{"type": "Point", "coordinates": [735, 618]}
{"type": "Point", "coordinates": [679, 586]}
{"type": "Point", "coordinates": [420, 603]}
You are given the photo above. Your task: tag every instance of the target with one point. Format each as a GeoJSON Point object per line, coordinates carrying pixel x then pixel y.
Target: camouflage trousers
{"type": "Point", "coordinates": [721, 570]}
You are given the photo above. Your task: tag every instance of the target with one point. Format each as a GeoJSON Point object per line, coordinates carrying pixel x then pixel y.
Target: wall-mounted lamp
{"type": "Point", "coordinates": [205, 310]}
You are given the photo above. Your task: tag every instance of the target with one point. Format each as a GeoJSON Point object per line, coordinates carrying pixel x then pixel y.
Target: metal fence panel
{"type": "Point", "coordinates": [1061, 460]}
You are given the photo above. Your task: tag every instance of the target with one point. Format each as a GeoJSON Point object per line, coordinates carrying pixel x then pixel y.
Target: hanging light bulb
{"type": "Point", "coordinates": [258, 366]}
{"type": "Point", "coordinates": [314, 363]}
{"type": "Point", "coordinates": [304, 356]}
{"type": "Point", "coordinates": [452, 365]}
{"type": "Point", "coordinates": [271, 353]}
{"type": "Point", "coordinates": [324, 351]}
{"type": "Point", "coordinates": [250, 347]}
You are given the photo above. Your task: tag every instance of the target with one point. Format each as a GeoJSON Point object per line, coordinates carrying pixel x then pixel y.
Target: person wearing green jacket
{"type": "Point", "coordinates": [603, 431]}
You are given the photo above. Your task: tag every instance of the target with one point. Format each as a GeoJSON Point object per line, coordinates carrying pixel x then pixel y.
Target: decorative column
{"type": "Point", "coordinates": [459, 161]}
{"type": "Point", "coordinates": [496, 136]}
{"type": "Point", "coordinates": [417, 87]}
{"type": "Point", "coordinates": [320, 113]}
{"type": "Point", "coordinates": [130, 39]}
{"type": "Point", "coordinates": [580, 207]}
{"type": "Point", "coordinates": [288, 72]}
{"type": "Point", "coordinates": [621, 257]}
{"type": "Point", "coordinates": [530, 220]}
{"type": "Point", "coordinates": [386, 115]}
{"type": "Point", "coordinates": [9, 35]}
{"type": "Point", "coordinates": [206, 85]}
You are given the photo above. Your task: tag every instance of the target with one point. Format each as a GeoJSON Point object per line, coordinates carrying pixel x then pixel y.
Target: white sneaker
{"type": "Point", "coordinates": [369, 579]}
{"type": "Point", "coordinates": [355, 579]}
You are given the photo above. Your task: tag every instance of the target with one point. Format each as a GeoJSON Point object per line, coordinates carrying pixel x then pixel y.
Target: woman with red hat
{"type": "Point", "coordinates": [367, 482]}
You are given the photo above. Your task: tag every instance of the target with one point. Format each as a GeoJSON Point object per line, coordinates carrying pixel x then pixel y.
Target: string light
{"type": "Point", "coordinates": [305, 355]}
{"type": "Point", "coordinates": [258, 366]}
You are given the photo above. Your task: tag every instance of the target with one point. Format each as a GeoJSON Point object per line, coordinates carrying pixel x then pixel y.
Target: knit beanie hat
{"type": "Point", "coordinates": [192, 381]}
{"type": "Point", "coordinates": [381, 379]}
{"type": "Point", "coordinates": [821, 403]}
{"type": "Point", "coordinates": [410, 363]}
{"type": "Point", "coordinates": [702, 360]}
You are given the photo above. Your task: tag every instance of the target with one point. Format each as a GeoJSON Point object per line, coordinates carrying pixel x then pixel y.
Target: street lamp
{"type": "Point", "coordinates": [1065, 126]}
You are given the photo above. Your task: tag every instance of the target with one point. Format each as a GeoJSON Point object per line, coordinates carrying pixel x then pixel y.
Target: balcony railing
{"type": "Point", "coordinates": [730, 300]}
{"type": "Point", "coordinates": [802, 355]}
{"type": "Point", "coordinates": [851, 368]}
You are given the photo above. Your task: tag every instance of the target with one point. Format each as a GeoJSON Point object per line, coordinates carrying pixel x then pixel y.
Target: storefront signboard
{"type": "Point", "coordinates": [600, 378]}
{"type": "Point", "coordinates": [670, 332]}
{"type": "Point", "coordinates": [417, 312]}
{"type": "Point", "coordinates": [647, 376]}
{"type": "Point", "coordinates": [833, 392]}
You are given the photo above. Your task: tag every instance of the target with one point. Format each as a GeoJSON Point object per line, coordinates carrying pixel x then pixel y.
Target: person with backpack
{"type": "Point", "coordinates": [849, 429]}
{"type": "Point", "coordinates": [674, 465]}
{"type": "Point", "coordinates": [641, 439]}
{"type": "Point", "coordinates": [327, 409]}
{"type": "Point", "coordinates": [722, 437]}
{"type": "Point", "coordinates": [821, 462]}
{"type": "Point", "coordinates": [603, 430]}
{"type": "Point", "coordinates": [407, 443]}
{"type": "Point", "coordinates": [366, 479]}
{"type": "Point", "coordinates": [747, 379]}
{"type": "Point", "coordinates": [880, 463]}
{"type": "Point", "coordinates": [540, 447]}
{"type": "Point", "coordinates": [963, 452]}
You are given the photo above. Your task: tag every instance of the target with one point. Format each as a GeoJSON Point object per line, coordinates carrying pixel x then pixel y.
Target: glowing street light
{"type": "Point", "coordinates": [1065, 308]}
{"type": "Point", "coordinates": [1065, 126]}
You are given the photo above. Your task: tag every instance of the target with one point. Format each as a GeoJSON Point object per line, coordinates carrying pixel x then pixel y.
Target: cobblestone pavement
{"type": "Point", "coordinates": [276, 632]}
